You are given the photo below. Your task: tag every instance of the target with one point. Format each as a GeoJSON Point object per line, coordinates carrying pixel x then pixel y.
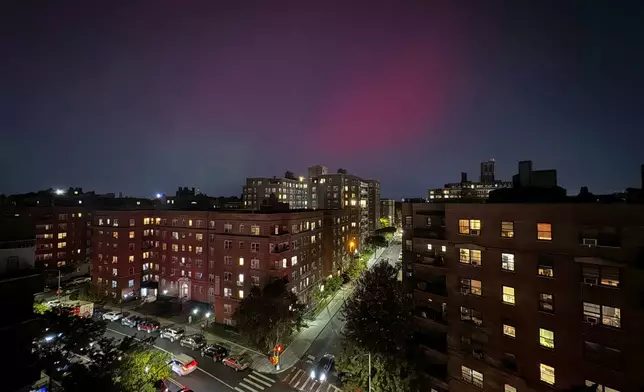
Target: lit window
{"type": "Point", "coordinates": [114, 284]}
{"type": "Point", "coordinates": [241, 294]}
{"type": "Point", "coordinates": [429, 246]}
{"type": "Point", "coordinates": [611, 316]}
{"type": "Point", "coordinates": [509, 388]}
{"type": "Point", "coordinates": [469, 226]}
{"type": "Point", "coordinates": [509, 330]}
{"type": "Point", "coordinates": [115, 259]}
{"type": "Point", "coordinates": [241, 278]}
{"type": "Point", "coordinates": [130, 259]}
{"type": "Point", "coordinates": [544, 231]}
{"type": "Point", "coordinates": [546, 302]}
{"type": "Point", "coordinates": [190, 222]}
{"type": "Point", "coordinates": [471, 286]}
{"type": "Point", "coordinates": [507, 229]}
{"type": "Point", "coordinates": [471, 376]}
{"type": "Point", "coordinates": [605, 276]}
{"type": "Point", "coordinates": [507, 261]}
{"type": "Point", "coordinates": [254, 230]}
{"type": "Point", "coordinates": [443, 249]}
{"type": "Point", "coordinates": [199, 237]}
{"type": "Point", "coordinates": [115, 272]}
{"type": "Point", "coordinates": [62, 245]}
{"type": "Point", "coordinates": [62, 235]}
{"type": "Point", "coordinates": [546, 266]}
{"type": "Point", "coordinates": [131, 234]}
{"type": "Point", "coordinates": [293, 260]}
{"type": "Point", "coordinates": [546, 338]}
{"type": "Point", "coordinates": [470, 256]}
{"type": "Point", "coordinates": [241, 261]}
{"type": "Point", "coordinates": [130, 283]}
{"type": "Point", "coordinates": [508, 295]}
{"type": "Point", "coordinates": [547, 374]}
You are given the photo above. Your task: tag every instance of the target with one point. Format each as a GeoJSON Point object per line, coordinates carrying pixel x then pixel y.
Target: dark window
{"type": "Point", "coordinates": [546, 302]}
{"type": "Point", "coordinates": [606, 356]}
{"type": "Point", "coordinates": [509, 361]}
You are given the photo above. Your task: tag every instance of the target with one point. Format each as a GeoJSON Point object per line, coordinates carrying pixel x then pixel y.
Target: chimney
{"type": "Point", "coordinates": [463, 177]}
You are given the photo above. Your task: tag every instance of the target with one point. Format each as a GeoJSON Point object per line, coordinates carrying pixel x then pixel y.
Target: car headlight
{"type": "Point", "coordinates": [322, 376]}
{"type": "Point", "coordinates": [312, 373]}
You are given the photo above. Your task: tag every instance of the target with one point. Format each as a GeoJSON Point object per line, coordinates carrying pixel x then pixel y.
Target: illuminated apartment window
{"type": "Point", "coordinates": [190, 222]}
{"type": "Point", "coordinates": [429, 246]}
{"type": "Point", "coordinates": [130, 259]}
{"type": "Point", "coordinates": [62, 245]}
{"type": "Point", "coordinates": [241, 261]}
{"type": "Point", "coordinates": [507, 229]}
{"type": "Point", "coordinates": [131, 234]}
{"type": "Point", "coordinates": [115, 259]}
{"type": "Point", "coordinates": [507, 261]}
{"type": "Point", "coordinates": [544, 231]}
{"type": "Point", "coordinates": [509, 388]}
{"type": "Point", "coordinates": [546, 266]}
{"type": "Point", "coordinates": [62, 235]}
{"type": "Point", "coordinates": [175, 247]}
{"type": "Point", "coordinates": [547, 374]}
{"type": "Point", "coordinates": [509, 330]}
{"type": "Point", "coordinates": [241, 294]}
{"type": "Point", "coordinates": [470, 286]}
{"type": "Point", "coordinates": [546, 338]}
{"type": "Point", "coordinates": [508, 295]}
{"type": "Point", "coordinates": [470, 256]}
{"type": "Point", "coordinates": [293, 260]}
{"type": "Point", "coordinates": [199, 237]}
{"type": "Point", "coordinates": [471, 376]}
{"type": "Point", "coordinates": [443, 249]}
{"type": "Point", "coordinates": [469, 226]}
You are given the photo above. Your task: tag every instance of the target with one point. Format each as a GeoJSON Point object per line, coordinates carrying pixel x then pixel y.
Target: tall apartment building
{"type": "Point", "coordinates": [539, 296]}
{"type": "Point", "coordinates": [470, 190]}
{"type": "Point", "coordinates": [338, 246]}
{"type": "Point", "coordinates": [388, 210]}
{"type": "Point", "coordinates": [343, 191]}
{"type": "Point", "coordinates": [288, 189]}
{"type": "Point", "coordinates": [62, 234]}
{"type": "Point", "coordinates": [373, 204]}
{"type": "Point", "coordinates": [214, 257]}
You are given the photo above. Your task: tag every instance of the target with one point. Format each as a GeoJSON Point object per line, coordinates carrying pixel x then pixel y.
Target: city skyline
{"type": "Point", "coordinates": [136, 100]}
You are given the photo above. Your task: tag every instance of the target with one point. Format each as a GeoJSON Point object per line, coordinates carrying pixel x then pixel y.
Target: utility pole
{"type": "Point", "coordinates": [369, 371]}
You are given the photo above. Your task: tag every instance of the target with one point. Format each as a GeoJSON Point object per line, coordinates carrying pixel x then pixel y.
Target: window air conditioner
{"type": "Point", "coordinates": [475, 232]}
{"type": "Point", "coordinates": [589, 242]}
{"type": "Point", "coordinates": [591, 320]}
{"type": "Point", "coordinates": [590, 281]}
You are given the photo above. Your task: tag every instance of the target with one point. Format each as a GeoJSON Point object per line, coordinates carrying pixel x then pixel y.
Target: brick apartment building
{"type": "Point", "coordinates": [62, 235]}
{"type": "Point", "coordinates": [534, 297]}
{"type": "Point", "coordinates": [214, 257]}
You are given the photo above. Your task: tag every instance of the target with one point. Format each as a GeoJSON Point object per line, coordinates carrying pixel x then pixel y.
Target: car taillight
{"type": "Point", "coordinates": [190, 365]}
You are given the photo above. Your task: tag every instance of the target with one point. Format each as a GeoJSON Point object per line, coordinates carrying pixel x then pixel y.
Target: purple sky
{"type": "Point", "coordinates": [142, 97]}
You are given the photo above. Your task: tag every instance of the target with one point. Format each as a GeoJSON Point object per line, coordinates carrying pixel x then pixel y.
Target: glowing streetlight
{"type": "Point", "coordinates": [159, 195]}
{"type": "Point", "coordinates": [59, 192]}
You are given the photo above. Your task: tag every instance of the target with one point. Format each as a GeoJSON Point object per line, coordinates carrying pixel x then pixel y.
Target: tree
{"type": "Point", "coordinates": [377, 241]}
{"type": "Point", "coordinates": [40, 308]}
{"type": "Point", "coordinates": [356, 266]}
{"type": "Point", "coordinates": [267, 317]}
{"type": "Point", "coordinates": [385, 230]}
{"type": "Point", "coordinates": [377, 308]}
{"type": "Point", "coordinates": [384, 222]}
{"type": "Point", "coordinates": [92, 293]}
{"type": "Point", "coordinates": [327, 287]}
{"type": "Point", "coordinates": [141, 369]}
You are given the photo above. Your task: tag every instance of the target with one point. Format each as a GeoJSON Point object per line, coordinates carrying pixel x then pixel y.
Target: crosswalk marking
{"type": "Point", "coordinates": [263, 376]}
{"type": "Point", "coordinates": [300, 380]}
{"type": "Point", "coordinates": [254, 382]}
{"type": "Point", "coordinates": [297, 375]}
{"type": "Point", "coordinates": [243, 384]}
{"type": "Point", "coordinates": [259, 380]}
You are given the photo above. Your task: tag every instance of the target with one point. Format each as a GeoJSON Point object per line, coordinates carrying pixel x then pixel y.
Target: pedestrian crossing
{"type": "Point", "coordinates": [299, 379]}
{"type": "Point", "coordinates": [254, 382]}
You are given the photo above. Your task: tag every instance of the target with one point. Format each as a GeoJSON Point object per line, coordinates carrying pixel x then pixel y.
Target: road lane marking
{"type": "Point", "coordinates": [311, 357]}
{"type": "Point", "coordinates": [297, 375]}
{"type": "Point", "coordinates": [242, 384]}
{"type": "Point", "coordinates": [305, 382]}
{"type": "Point", "coordinates": [263, 376]}
{"type": "Point", "coordinates": [259, 380]}
{"type": "Point", "coordinates": [166, 351]}
{"type": "Point", "coordinates": [175, 382]}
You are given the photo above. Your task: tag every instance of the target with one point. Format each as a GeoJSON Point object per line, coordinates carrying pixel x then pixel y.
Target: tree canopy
{"type": "Point", "coordinates": [267, 317]}
{"type": "Point", "coordinates": [385, 230]}
{"type": "Point", "coordinates": [377, 241]}
{"type": "Point", "coordinates": [377, 307]}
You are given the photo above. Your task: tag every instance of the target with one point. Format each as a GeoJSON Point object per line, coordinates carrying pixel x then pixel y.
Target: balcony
{"type": "Point", "coordinates": [434, 343]}
{"type": "Point", "coordinates": [431, 318]}
{"type": "Point", "coordinates": [430, 258]}
{"type": "Point", "coordinates": [434, 285]}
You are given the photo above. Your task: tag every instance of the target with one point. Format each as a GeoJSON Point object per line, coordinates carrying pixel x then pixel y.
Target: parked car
{"type": "Point", "coordinates": [323, 368]}
{"type": "Point", "coordinates": [238, 363]}
{"type": "Point", "coordinates": [214, 351]}
{"type": "Point", "coordinates": [112, 316]}
{"type": "Point", "coordinates": [172, 333]}
{"type": "Point", "coordinates": [79, 280]}
{"type": "Point", "coordinates": [99, 311]}
{"type": "Point", "coordinates": [194, 342]}
{"type": "Point", "coordinates": [131, 321]}
{"type": "Point", "coordinates": [183, 364]}
{"type": "Point", "coordinates": [148, 325]}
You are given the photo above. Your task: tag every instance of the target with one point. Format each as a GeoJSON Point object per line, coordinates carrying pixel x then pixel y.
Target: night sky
{"type": "Point", "coordinates": [141, 97]}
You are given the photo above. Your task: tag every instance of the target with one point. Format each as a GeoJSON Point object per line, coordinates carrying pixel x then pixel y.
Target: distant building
{"type": "Point", "coordinates": [317, 171]}
{"type": "Point", "coordinates": [467, 189]}
{"type": "Point", "coordinates": [529, 178]}
{"type": "Point", "coordinates": [373, 204]}
{"type": "Point", "coordinates": [287, 189]}
{"type": "Point", "coordinates": [388, 210]}
{"type": "Point", "coordinates": [487, 172]}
